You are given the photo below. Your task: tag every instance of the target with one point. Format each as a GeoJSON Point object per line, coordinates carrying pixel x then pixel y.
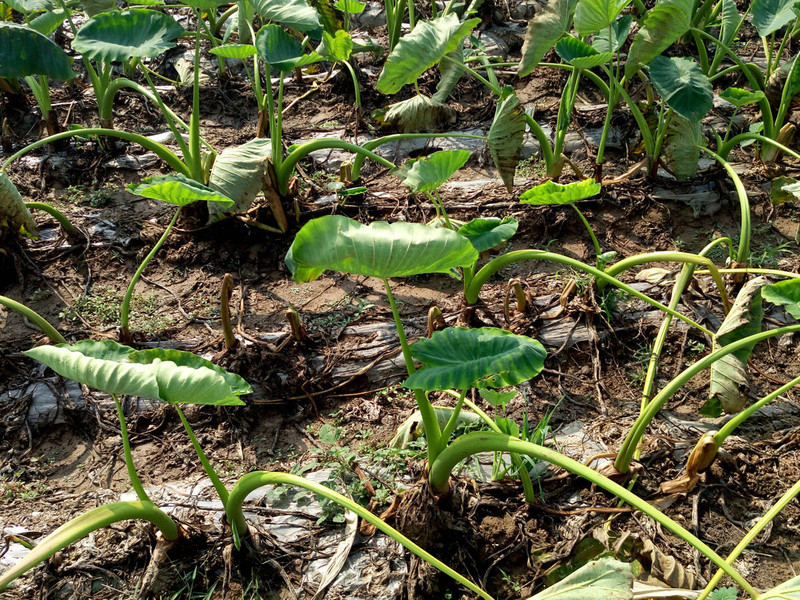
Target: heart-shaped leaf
{"type": "Point", "coordinates": [544, 30]}
{"type": "Point", "coordinates": [619, 35]}
{"type": "Point", "coordinates": [592, 16]}
{"type": "Point", "coordinates": [580, 54]}
{"type": "Point", "coordinates": [378, 250]}
{"type": "Point", "coordinates": [506, 136]}
{"type": "Point", "coordinates": [665, 23]}
{"type": "Point", "coordinates": [740, 97]}
{"type": "Point", "coordinates": [337, 47]}
{"type": "Point", "coordinates": [118, 36]}
{"type": "Point", "coordinates": [784, 293]}
{"type": "Point", "coordinates": [485, 234]}
{"type": "Point", "coordinates": [281, 50]}
{"type": "Point", "coordinates": [771, 15]}
{"type": "Point", "coordinates": [426, 174]}
{"type": "Point", "coordinates": [296, 14]}
{"type": "Point", "coordinates": [239, 173]}
{"type": "Point", "coordinates": [176, 189]}
{"type": "Point", "coordinates": [24, 52]}
{"type": "Point", "coordinates": [683, 86]}
{"type": "Point", "coordinates": [556, 193]}
{"type": "Point", "coordinates": [421, 49]}
{"type": "Point", "coordinates": [168, 375]}
{"type": "Point", "coordinates": [461, 358]}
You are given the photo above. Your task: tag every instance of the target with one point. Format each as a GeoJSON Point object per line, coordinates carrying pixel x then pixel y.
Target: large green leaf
{"type": "Point", "coordinates": [239, 173]}
{"type": "Point", "coordinates": [421, 49]}
{"type": "Point", "coordinates": [580, 54]}
{"type": "Point", "coordinates": [463, 358]}
{"type": "Point", "coordinates": [730, 382]}
{"type": "Point", "coordinates": [93, 7]}
{"type": "Point", "coordinates": [296, 14]}
{"type": "Point", "coordinates": [378, 250]}
{"type": "Point", "coordinates": [592, 16]}
{"type": "Point", "coordinates": [604, 579]}
{"type": "Point", "coordinates": [682, 84]}
{"type": "Point", "coordinates": [545, 29]}
{"type": "Point", "coordinates": [336, 47]}
{"type": "Point", "coordinates": [730, 21]}
{"type": "Point", "coordinates": [682, 147]}
{"type": "Point", "coordinates": [281, 50]}
{"type": "Point", "coordinates": [556, 193]}
{"type": "Point", "coordinates": [665, 23]}
{"type": "Point", "coordinates": [50, 20]}
{"type": "Point", "coordinates": [506, 136]}
{"type": "Point", "coordinates": [24, 51]}
{"type": "Point", "coordinates": [740, 97]}
{"type": "Point", "coordinates": [167, 375]}
{"type": "Point", "coordinates": [771, 15]}
{"type": "Point", "coordinates": [416, 114]}
{"type": "Point", "coordinates": [13, 212]}
{"type": "Point", "coordinates": [619, 35]}
{"type": "Point", "coordinates": [485, 234]}
{"type": "Point", "coordinates": [176, 189]}
{"type": "Point", "coordinates": [426, 174]}
{"type": "Point", "coordinates": [788, 590]}
{"type": "Point", "coordinates": [30, 6]}
{"type": "Point", "coordinates": [784, 293]}
{"type": "Point", "coordinates": [119, 36]}
{"type": "Point", "coordinates": [449, 74]}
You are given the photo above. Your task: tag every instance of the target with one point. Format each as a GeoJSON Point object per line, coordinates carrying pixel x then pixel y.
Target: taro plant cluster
{"type": "Point", "coordinates": [655, 64]}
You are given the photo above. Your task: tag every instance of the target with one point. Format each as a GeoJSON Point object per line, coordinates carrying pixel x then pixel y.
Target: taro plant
{"type": "Point", "coordinates": [170, 376]}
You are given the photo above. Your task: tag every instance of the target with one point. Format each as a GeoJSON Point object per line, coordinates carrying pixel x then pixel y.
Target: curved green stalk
{"type": "Point", "coordinates": [773, 512]}
{"type": "Point", "coordinates": [597, 250]}
{"type": "Point", "coordinates": [358, 161]}
{"type": "Point", "coordinates": [433, 434]}
{"type": "Point", "coordinates": [544, 142]}
{"type": "Point", "coordinates": [62, 219]}
{"type": "Point", "coordinates": [670, 256]}
{"type": "Point", "coordinates": [34, 318]}
{"type": "Point", "coordinates": [450, 426]}
{"type": "Point", "coordinates": [222, 491]}
{"type": "Point", "coordinates": [126, 301]}
{"type": "Point", "coordinates": [257, 479]}
{"type": "Point", "coordinates": [85, 524]}
{"type": "Point", "coordinates": [284, 170]}
{"type": "Point", "coordinates": [159, 150]}
{"type": "Point", "coordinates": [625, 455]}
{"type": "Point", "coordinates": [745, 414]}
{"type": "Point", "coordinates": [757, 271]}
{"type": "Point", "coordinates": [641, 122]}
{"type": "Point", "coordinates": [457, 63]}
{"type": "Point", "coordinates": [743, 256]}
{"type": "Point", "coordinates": [731, 143]}
{"type": "Point", "coordinates": [136, 483]}
{"type": "Point", "coordinates": [590, 75]}
{"type": "Point", "coordinates": [473, 443]}
{"type": "Point", "coordinates": [489, 269]}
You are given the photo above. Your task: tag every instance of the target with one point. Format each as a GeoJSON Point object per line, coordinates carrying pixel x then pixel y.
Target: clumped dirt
{"type": "Point", "coordinates": [52, 472]}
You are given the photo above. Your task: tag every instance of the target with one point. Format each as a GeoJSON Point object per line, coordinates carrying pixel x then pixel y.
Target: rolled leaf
{"type": "Point", "coordinates": [682, 147]}
{"type": "Point", "coordinates": [545, 29]}
{"type": "Point", "coordinates": [239, 173]}
{"type": "Point", "coordinates": [619, 35]}
{"type": "Point", "coordinates": [506, 136]}
{"type": "Point", "coordinates": [416, 114]}
{"type": "Point", "coordinates": [378, 250]}
{"type": "Point", "coordinates": [13, 212]}
{"type": "Point", "coordinates": [464, 358]}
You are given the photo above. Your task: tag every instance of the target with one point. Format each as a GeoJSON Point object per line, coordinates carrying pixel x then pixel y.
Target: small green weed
{"type": "Point", "coordinates": [531, 168]}
{"type": "Point", "coordinates": [92, 195]}
{"type": "Point", "coordinates": [14, 487]}
{"type": "Point", "coordinates": [102, 307]}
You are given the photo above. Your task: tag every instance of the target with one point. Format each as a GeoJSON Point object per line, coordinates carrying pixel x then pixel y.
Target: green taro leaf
{"type": "Point", "coordinates": [485, 234]}
{"type": "Point", "coordinates": [683, 86]}
{"type": "Point", "coordinates": [556, 193]}
{"type": "Point", "coordinates": [603, 579]}
{"type": "Point", "coordinates": [353, 7]}
{"type": "Point", "coordinates": [506, 136]}
{"type": "Point", "coordinates": [296, 14]}
{"type": "Point", "coordinates": [13, 212]}
{"type": "Point", "coordinates": [788, 590]}
{"type": "Point", "coordinates": [119, 36]}
{"type": "Point", "coordinates": [378, 250]}
{"type": "Point", "coordinates": [682, 147]}
{"type": "Point", "coordinates": [779, 195]}
{"type": "Point", "coordinates": [784, 293]}
{"type": "Point", "coordinates": [665, 23]}
{"type": "Point", "coordinates": [240, 51]}
{"type": "Point", "coordinates": [281, 50]}
{"type": "Point", "coordinates": [30, 6]}
{"type": "Point", "coordinates": [337, 47]}
{"type": "Point", "coordinates": [176, 189]}
{"type": "Point", "coordinates": [449, 74]}
{"type": "Point", "coordinates": [740, 97]}
{"type": "Point", "coordinates": [204, 4]}
{"type": "Point", "coordinates": [464, 358]}
{"type": "Point", "coordinates": [416, 114]}
{"type": "Point", "coordinates": [421, 49]}
{"type": "Point", "coordinates": [166, 375]}
{"type": "Point", "coordinates": [592, 16]}
{"type": "Point", "coordinates": [47, 22]}
{"type": "Point", "coordinates": [426, 174]}
{"type": "Point", "coordinates": [730, 21]}
{"type": "Point", "coordinates": [730, 381]}
{"type": "Point", "coordinates": [545, 29]}
{"type": "Point", "coordinates": [771, 15]}
{"type": "Point", "coordinates": [93, 7]}
{"type": "Point", "coordinates": [24, 51]}
{"type": "Point", "coordinates": [580, 54]}
{"type": "Point", "coordinates": [496, 398]}
{"type": "Point", "coordinates": [239, 173]}
{"type": "Point", "coordinates": [619, 34]}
